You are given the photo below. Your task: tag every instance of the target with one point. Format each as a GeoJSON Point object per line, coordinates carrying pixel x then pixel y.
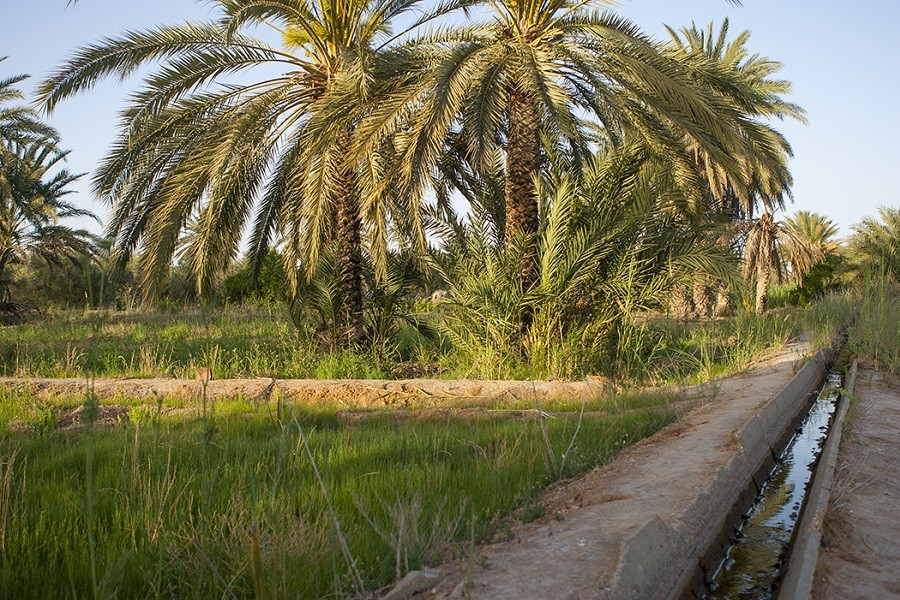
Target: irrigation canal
{"type": "Point", "coordinates": [754, 561]}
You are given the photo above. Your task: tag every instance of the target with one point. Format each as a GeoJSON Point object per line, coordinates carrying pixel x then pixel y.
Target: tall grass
{"type": "Point", "coordinates": [261, 341]}
{"type": "Point", "coordinates": [253, 340]}
{"type": "Point", "coordinates": [870, 314]}
{"type": "Point", "coordinates": [181, 506]}
{"type": "Point", "coordinates": [670, 351]}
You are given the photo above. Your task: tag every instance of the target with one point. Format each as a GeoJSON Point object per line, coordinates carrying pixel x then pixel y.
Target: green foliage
{"type": "Point", "coordinates": [252, 340]}
{"type": "Point", "coordinates": [609, 249]}
{"type": "Point", "coordinates": [168, 509]}
{"type": "Point", "coordinates": [268, 285]}
{"type": "Point", "coordinates": [389, 314]}
{"type": "Point", "coordinates": [749, 98]}
{"type": "Point", "coordinates": [344, 364]}
{"type": "Point", "coordinates": [81, 283]}
{"type": "Point", "coordinates": [875, 245]}
{"type": "Point", "coordinates": [824, 277]}
{"type": "Point", "coordinates": [783, 294]}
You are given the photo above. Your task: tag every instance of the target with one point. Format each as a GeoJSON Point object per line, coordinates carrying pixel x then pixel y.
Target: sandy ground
{"type": "Point", "coordinates": [577, 548]}
{"type": "Point", "coordinates": [860, 553]}
{"type": "Point", "coordinates": [350, 393]}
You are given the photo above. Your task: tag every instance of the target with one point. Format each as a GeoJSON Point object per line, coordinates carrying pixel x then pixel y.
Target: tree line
{"type": "Point", "coordinates": [601, 171]}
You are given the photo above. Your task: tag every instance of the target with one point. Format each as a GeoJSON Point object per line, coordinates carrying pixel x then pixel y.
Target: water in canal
{"type": "Point", "coordinates": [753, 563]}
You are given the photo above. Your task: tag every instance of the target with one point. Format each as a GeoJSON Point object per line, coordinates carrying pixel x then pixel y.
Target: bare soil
{"type": "Point", "coordinates": [860, 553]}
{"type": "Point", "coordinates": [106, 416]}
{"type": "Point", "coordinates": [349, 393]}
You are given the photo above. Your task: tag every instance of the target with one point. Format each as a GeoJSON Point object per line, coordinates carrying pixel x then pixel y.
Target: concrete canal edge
{"type": "Point", "coordinates": [798, 579]}
{"type": "Point", "coordinates": [653, 523]}
{"type": "Point", "coordinates": [716, 513]}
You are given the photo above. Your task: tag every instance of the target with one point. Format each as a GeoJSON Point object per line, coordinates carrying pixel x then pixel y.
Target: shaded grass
{"type": "Point", "coordinates": [179, 499]}
{"type": "Point", "coordinates": [256, 340]}
{"type": "Point", "coordinates": [673, 351]}
{"type": "Point", "coordinates": [651, 349]}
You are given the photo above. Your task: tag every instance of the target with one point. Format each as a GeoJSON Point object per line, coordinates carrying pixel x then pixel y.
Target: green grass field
{"type": "Point", "coordinates": [171, 504]}
{"type": "Point", "coordinates": [248, 341]}
{"type": "Point", "coordinates": [166, 502]}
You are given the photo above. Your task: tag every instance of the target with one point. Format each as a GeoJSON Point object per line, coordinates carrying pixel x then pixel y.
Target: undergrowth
{"type": "Point", "coordinates": [260, 341]}
{"type": "Point", "coordinates": [870, 314]}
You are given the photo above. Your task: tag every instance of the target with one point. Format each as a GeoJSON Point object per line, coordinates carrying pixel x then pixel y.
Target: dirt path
{"type": "Point", "coordinates": [636, 509]}
{"type": "Point", "coordinates": [351, 393]}
{"type": "Point", "coordinates": [860, 553]}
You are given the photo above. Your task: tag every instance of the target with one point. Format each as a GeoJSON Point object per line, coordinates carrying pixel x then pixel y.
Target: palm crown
{"type": "Point", "coordinates": [232, 154]}
{"type": "Point", "coordinates": [524, 81]}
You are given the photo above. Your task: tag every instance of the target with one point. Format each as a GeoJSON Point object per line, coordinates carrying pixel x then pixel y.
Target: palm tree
{"type": "Point", "coordinates": [32, 187]}
{"type": "Point", "coordinates": [751, 97]}
{"type": "Point", "coordinates": [609, 247]}
{"type": "Point", "coordinates": [32, 190]}
{"type": "Point", "coordinates": [18, 122]}
{"type": "Point", "coordinates": [770, 246]}
{"type": "Point", "coordinates": [521, 81]}
{"type": "Point", "coordinates": [193, 142]}
{"type": "Point", "coordinates": [875, 244]}
{"type": "Point", "coordinates": [812, 230]}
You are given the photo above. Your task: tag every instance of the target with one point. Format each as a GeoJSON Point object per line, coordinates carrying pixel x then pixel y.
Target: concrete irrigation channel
{"type": "Point", "coordinates": [655, 522]}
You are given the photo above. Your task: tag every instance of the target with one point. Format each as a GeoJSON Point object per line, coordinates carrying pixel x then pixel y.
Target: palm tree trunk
{"type": "Point", "coordinates": [701, 298]}
{"type": "Point", "coordinates": [723, 301]}
{"type": "Point", "coordinates": [522, 164]}
{"type": "Point", "coordinates": [348, 227]}
{"type": "Point", "coordinates": [6, 256]}
{"type": "Point", "coordinates": [679, 303]}
{"type": "Point", "coordinates": [762, 290]}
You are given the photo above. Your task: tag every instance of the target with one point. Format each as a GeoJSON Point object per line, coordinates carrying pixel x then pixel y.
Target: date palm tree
{"type": "Point", "coordinates": [195, 142]}
{"type": "Point", "coordinates": [32, 190]}
{"type": "Point", "coordinates": [523, 80]}
{"type": "Point", "coordinates": [18, 122]}
{"type": "Point", "coordinates": [875, 243]}
{"type": "Point", "coordinates": [609, 247]}
{"type": "Point", "coordinates": [812, 230]}
{"type": "Point", "coordinates": [771, 246]}
{"type": "Point", "coordinates": [32, 204]}
{"type": "Point", "coordinates": [758, 178]}
{"type": "Point", "coordinates": [752, 97]}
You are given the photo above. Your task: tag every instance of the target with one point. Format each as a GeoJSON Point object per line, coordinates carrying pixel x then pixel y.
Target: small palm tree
{"type": "Point", "coordinates": [19, 123]}
{"type": "Point", "coordinates": [875, 243]}
{"type": "Point", "coordinates": [770, 247]}
{"type": "Point", "coordinates": [32, 190]}
{"type": "Point", "coordinates": [812, 230]}
{"type": "Point", "coordinates": [32, 203]}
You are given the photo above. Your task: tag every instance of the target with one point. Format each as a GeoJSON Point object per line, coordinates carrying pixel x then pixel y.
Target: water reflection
{"type": "Point", "coordinates": [752, 565]}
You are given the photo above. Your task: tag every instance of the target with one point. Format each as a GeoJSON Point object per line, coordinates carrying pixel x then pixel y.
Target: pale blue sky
{"type": "Point", "coordinates": [841, 59]}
